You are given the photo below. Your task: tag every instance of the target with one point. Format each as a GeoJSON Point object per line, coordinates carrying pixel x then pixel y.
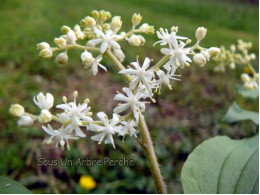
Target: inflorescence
{"type": "Point", "coordinates": [102, 35]}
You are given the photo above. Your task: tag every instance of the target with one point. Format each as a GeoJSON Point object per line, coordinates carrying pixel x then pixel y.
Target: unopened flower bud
{"type": "Point", "coordinates": [116, 23]}
{"type": "Point", "coordinates": [147, 29]}
{"type": "Point", "coordinates": [104, 15]}
{"type": "Point", "coordinates": [136, 19]}
{"type": "Point", "coordinates": [95, 14]}
{"type": "Point", "coordinates": [119, 54]}
{"type": "Point", "coordinates": [200, 33]}
{"type": "Point", "coordinates": [87, 57]}
{"type": "Point", "coordinates": [71, 37]}
{"type": "Point", "coordinates": [206, 54]}
{"type": "Point", "coordinates": [43, 45]}
{"type": "Point", "coordinates": [79, 34]}
{"type": "Point", "coordinates": [135, 40]}
{"type": "Point", "coordinates": [62, 58]}
{"type": "Point", "coordinates": [214, 51]}
{"type": "Point", "coordinates": [252, 56]}
{"type": "Point", "coordinates": [233, 48]}
{"type": "Point", "coordinates": [245, 77]}
{"type": "Point", "coordinates": [45, 116]}
{"type": "Point", "coordinates": [65, 29]}
{"type": "Point", "coordinates": [232, 65]}
{"type": "Point", "coordinates": [60, 42]}
{"type": "Point", "coordinates": [25, 121]}
{"type": "Point", "coordinates": [88, 22]}
{"type": "Point", "coordinates": [16, 110]}
{"type": "Point", "coordinates": [174, 29]}
{"type": "Point", "coordinates": [46, 53]}
{"type": "Point", "coordinates": [199, 59]}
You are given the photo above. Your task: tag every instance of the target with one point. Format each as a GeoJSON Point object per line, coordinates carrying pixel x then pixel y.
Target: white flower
{"type": "Point", "coordinates": [43, 45]}
{"type": "Point", "coordinates": [166, 37]}
{"type": "Point", "coordinates": [119, 54]}
{"type": "Point", "coordinates": [128, 128]}
{"type": "Point", "coordinates": [249, 82]}
{"type": "Point", "coordinates": [71, 37]}
{"type": "Point", "coordinates": [140, 74]}
{"type": "Point", "coordinates": [16, 110]}
{"type": "Point", "coordinates": [87, 57]}
{"type": "Point", "coordinates": [178, 54]}
{"type": "Point", "coordinates": [76, 112]}
{"type": "Point", "coordinates": [44, 101]}
{"type": "Point", "coordinates": [62, 58]}
{"type": "Point", "coordinates": [131, 101]}
{"type": "Point", "coordinates": [96, 64]}
{"type": "Point", "coordinates": [25, 121]}
{"type": "Point", "coordinates": [46, 53]}
{"type": "Point", "coordinates": [45, 116]}
{"type": "Point", "coordinates": [146, 28]}
{"type": "Point", "coordinates": [214, 51]}
{"type": "Point", "coordinates": [164, 79]}
{"type": "Point", "coordinates": [200, 33]}
{"type": "Point", "coordinates": [59, 137]}
{"type": "Point", "coordinates": [60, 42]}
{"type": "Point", "coordinates": [136, 40]}
{"type": "Point", "coordinates": [107, 40]}
{"type": "Point", "coordinates": [206, 54]}
{"type": "Point", "coordinates": [199, 59]}
{"type": "Point", "coordinates": [107, 130]}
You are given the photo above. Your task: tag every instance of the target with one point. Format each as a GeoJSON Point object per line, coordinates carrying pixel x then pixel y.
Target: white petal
{"type": "Point", "coordinates": [146, 63]}
{"type": "Point", "coordinates": [98, 137]}
{"type": "Point", "coordinates": [79, 132]}
{"type": "Point", "coordinates": [120, 97]}
{"type": "Point", "coordinates": [103, 47]}
{"type": "Point", "coordinates": [121, 108]}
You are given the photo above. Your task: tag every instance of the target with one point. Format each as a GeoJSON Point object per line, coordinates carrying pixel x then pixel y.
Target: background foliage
{"type": "Point", "coordinates": [185, 116]}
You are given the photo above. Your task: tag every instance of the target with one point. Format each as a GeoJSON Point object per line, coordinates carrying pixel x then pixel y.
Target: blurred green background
{"type": "Point", "coordinates": [185, 116]}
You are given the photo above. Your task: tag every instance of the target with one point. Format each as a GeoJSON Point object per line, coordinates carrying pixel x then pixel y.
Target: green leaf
{"type": "Point", "coordinates": [9, 186]}
{"type": "Point", "coordinates": [222, 165]}
{"type": "Point", "coordinates": [246, 93]}
{"type": "Point", "coordinates": [235, 113]}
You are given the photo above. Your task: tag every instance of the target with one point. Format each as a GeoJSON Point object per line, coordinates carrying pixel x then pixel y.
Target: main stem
{"type": "Point", "coordinates": [147, 145]}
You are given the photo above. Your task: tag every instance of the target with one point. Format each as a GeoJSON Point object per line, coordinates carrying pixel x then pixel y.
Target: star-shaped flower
{"type": "Point", "coordinates": [166, 37]}
{"type": "Point", "coordinates": [76, 112]}
{"type": "Point", "coordinates": [107, 40]}
{"type": "Point", "coordinates": [59, 137]}
{"type": "Point", "coordinates": [44, 102]}
{"type": "Point", "coordinates": [140, 74]}
{"type": "Point", "coordinates": [163, 79]}
{"type": "Point", "coordinates": [178, 54]}
{"type": "Point", "coordinates": [107, 130]}
{"type": "Point", "coordinates": [129, 128]}
{"type": "Point", "coordinates": [131, 101]}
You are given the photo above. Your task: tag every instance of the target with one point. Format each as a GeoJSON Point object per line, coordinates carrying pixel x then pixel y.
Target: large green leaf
{"type": "Point", "coordinates": [246, 93]}
{"type": "Point", "coordinates": [222, 165]}
{"type": "Point", "coordinates": [9, 186]}
{"type": "Point", "coordinates": [235, 113]}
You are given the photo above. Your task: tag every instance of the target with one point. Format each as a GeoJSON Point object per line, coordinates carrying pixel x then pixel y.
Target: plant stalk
{"type": "Point", "coordinates": [147, 145]}
{"type": "Point", "coordinates": [146, 142]}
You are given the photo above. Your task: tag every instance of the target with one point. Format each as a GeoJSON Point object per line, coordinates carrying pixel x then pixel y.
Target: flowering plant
{"type": "Point", "coordinates": [100, 35]}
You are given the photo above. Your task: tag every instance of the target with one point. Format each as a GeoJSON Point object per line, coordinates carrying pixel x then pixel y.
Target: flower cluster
{"type": "Point", "coordinates": [145, 80]}
{"type": "Point", "coordinates": [239, 55]}
{"type": "Point", "coordinates": [100, 35]}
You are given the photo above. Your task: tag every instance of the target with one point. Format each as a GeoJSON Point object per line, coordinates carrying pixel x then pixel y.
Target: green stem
{"type": "Point", "coordinates": [161, 62]}
{"type": "Point", "coordinates": [147, 145]}
{"type": "Point", "coordinates": [118, 64]}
